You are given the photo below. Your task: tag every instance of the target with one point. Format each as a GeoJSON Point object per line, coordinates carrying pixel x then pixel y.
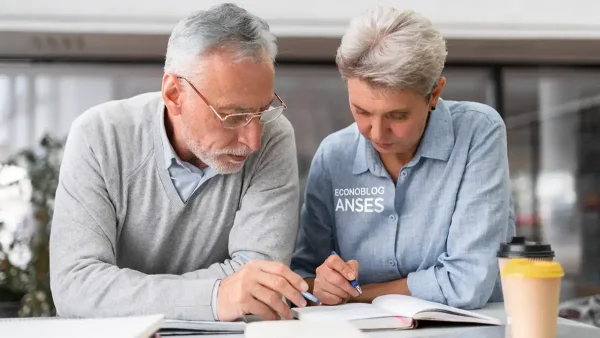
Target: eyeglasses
{"type": "Point", "coordinates": [233, 121]}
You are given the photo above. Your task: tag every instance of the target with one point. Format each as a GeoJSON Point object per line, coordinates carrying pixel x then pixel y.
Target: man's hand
{"type": "Point", "coordinates": [332, 284]}
{"type": "Point", "coordinates": [257, 289]}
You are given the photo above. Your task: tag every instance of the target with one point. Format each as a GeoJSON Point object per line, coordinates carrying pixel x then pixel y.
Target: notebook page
{"type": "Point", "coordinates": [352, 311]}
{"type": "Point", "coordinates": [407, 306]}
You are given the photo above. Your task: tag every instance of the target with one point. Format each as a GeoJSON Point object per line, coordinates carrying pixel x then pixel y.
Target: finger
{"type": "Point", "coordinates": [271, 299]}
{"type": "Point", "coordinates": [327, 298]}
{"type": "Point", "coordinates": [331, 288]}
{"type": "Point", "coordinates": [335, 278]}
{"type": "Point", "coordinates": [256, 307]}
{"type": "Point", "coordinates": [336, 263]}
{"type": "Point", "coordinates": [354, 265]}
{"type": "Point", "coordinates": [282, 286]}
{"type": "Point", "coordinates": [282, 270]}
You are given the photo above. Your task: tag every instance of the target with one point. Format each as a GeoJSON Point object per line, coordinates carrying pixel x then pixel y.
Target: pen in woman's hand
{"type": "Point", "coordinates": [353, 282]}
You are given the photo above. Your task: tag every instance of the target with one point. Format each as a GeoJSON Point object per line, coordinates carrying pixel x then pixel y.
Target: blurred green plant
{"type": "Point", "coordinates": [30, 284]}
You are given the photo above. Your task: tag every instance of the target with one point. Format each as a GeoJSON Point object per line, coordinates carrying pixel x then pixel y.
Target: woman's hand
{"type": "Point", "coordinates": [331, 285]}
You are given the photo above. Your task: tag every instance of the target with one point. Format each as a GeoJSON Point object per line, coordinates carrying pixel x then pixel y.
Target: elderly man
{"type": "Point", "coordinates": [159, 194]}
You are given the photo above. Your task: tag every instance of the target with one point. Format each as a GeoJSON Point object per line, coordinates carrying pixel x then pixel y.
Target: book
{"type": "Point", "coordinates": [118, 327]}
{"type": "Point", "coordinates": [392, 312]}
{"type": "Point", "coordinates": [172, 327]}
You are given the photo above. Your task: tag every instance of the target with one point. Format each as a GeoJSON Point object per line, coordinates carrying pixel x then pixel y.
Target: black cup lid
{"type": "Point", "coordinates": [518, 247]}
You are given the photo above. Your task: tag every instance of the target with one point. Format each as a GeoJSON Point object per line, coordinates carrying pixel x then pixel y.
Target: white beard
{"type": "Point", "coordinates": [213, 160]}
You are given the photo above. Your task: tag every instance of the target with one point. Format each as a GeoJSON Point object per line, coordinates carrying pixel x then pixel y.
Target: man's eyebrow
{"type": "Point", "coordinates": [242, 108]}
{"type": "Point", "coordinates": [231, 107]}
{"type": "Point", "coordinates": [406, 111]}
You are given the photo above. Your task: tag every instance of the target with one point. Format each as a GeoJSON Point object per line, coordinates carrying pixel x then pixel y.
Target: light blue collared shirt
{"type": "Point", "coordinates": [186, 177]}
{"type": "Point", "coordinates": [440, 226]}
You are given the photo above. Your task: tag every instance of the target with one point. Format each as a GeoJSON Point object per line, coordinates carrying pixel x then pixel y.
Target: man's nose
{"type": "Point", "coordinates": [250, 134]}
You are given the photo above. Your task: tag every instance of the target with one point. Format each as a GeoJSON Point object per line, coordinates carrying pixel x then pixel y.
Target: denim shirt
{"type": "Point", "coordinates": [440, 225]}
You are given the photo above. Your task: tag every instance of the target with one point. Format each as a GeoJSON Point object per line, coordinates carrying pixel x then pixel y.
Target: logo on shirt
{"type": "Point", "coordinates": [359, 199]}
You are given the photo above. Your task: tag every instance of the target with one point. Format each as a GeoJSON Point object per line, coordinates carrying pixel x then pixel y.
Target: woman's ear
{"type": "Point", "coordinates": [437, 92]}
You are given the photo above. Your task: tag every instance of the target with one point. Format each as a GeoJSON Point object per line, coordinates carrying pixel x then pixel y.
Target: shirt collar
{"type": "Point", "coordinates": [360, 159]}
{"type": "Point", "coordinates": [437, 142]}
{"type": "Point", "coordinates": [367, 158]}
{"type": "Point", "coordinates": [438, 138]}
{"type": "Point", "coordinates": [169, 152]}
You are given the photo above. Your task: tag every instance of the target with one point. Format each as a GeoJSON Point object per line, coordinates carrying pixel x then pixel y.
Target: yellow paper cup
{"type": "Point", "coordinates": [532, 292]}
{"type": "Point", "coordinates": [519, 247]}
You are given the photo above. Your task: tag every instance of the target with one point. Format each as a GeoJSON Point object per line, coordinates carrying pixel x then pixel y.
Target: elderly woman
{"type": "Point", "coordinates": [415, 196]}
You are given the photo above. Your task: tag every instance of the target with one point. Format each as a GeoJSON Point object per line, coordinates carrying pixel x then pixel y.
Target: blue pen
{"type": "Point", "coordinates": [353, 282]}
{"type": "Point", "coordinates": [306, 295]}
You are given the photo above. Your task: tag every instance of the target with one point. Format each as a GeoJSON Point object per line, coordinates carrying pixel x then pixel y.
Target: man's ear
{"type": "Point", "coordinates": [172, 93]}
{"type": "Point", "coordinates": [437, 92]}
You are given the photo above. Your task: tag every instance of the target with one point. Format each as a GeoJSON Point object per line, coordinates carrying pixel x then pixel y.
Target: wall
{"type": "Point", "coordinates": [456, 18]}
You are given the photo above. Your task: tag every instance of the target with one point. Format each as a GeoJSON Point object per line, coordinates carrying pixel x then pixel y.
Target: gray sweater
{"type": "Point", "coordinates": [122, 241]}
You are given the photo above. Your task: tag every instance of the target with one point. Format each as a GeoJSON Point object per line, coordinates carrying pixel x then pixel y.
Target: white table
{"type": "Point", "coordinates": [495, 310]}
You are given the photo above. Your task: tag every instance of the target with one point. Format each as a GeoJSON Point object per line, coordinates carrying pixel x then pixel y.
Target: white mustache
{"type": "Point", "coordinates": [235, 152]}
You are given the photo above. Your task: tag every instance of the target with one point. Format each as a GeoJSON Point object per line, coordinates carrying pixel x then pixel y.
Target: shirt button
{"type": "Point", "coordinates": [392, 262]}
{"type": "Point", "coordinates": [404, 174]}
{"type": "Point", "coordinates": [393, 218]}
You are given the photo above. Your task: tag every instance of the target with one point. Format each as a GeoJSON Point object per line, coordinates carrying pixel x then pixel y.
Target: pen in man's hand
{"type": "Point", "coordinates": [306, 295]}
{"type": "Point", "coordinates": [353, 282]}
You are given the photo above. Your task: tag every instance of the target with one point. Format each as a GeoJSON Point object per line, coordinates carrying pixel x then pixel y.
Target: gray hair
{"type": "Point", "coordinates": [226, 27]}
{"type": "Point", "coordinates": [392, 48]}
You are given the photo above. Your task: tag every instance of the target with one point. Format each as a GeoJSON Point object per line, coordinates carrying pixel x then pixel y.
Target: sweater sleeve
{"type": "Point", "coordinates": [85, 280]}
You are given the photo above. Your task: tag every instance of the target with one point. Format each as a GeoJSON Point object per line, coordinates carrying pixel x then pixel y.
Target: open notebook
{"type": "Point", "coordinates": [392, 312]}
{"type": "Point", "coordinates": [121, 327]}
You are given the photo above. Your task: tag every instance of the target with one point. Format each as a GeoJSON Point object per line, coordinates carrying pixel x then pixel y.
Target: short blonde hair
{"type": "Point", "coordinates": [393, 48]}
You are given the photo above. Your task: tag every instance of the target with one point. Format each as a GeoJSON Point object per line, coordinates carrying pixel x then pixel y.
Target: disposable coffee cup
{"type": "Point", "coordinates": [520, 248]}
{"type": "Point", "coordinates": [532, 293]}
